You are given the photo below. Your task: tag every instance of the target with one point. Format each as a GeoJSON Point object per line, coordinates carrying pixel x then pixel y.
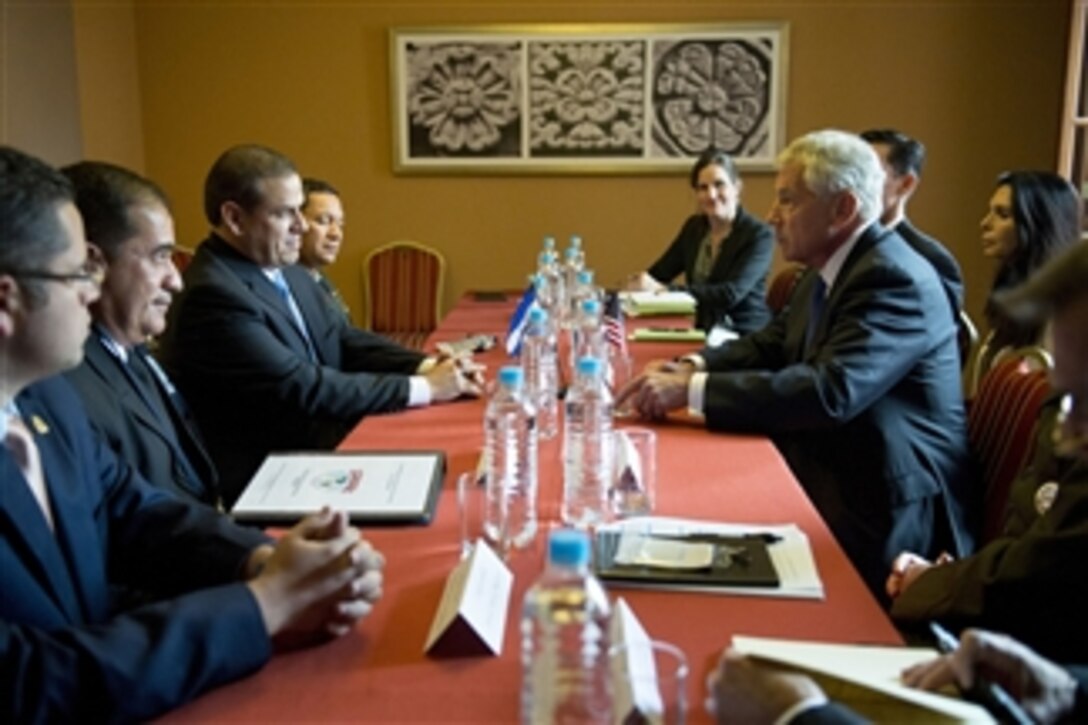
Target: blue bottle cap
{"type": "Point", "coordinates": [511, 376]}
{"type": "Point", "coordinates": [575, 241]}
{"type": "Point", "coordinates": [568, 547]}
{"type": "Point", "coordinates": [537, 315]}
{"type": "Point", "coordinates": [585, 276]}
{"type": "Point", "coordinates": [590, 366]}
{"type": "Point", "coordinates": [591, 306]}
{"type": "Point", "coordinates": [549, 243]}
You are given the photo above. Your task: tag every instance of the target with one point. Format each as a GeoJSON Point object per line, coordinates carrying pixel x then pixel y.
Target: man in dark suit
{"type": "Point", "coordinates": [859, 389]}
{"type": "Point", "coordinates": [129, 399]}
{"type": "Point", "coordinates": [902, 158]}
{"type": "Point", "coordinates": [255, 348]}
{"type": "Point", "coordinates": [1032, 584]}
{"type": "Point", "coordinates": [324, 234]}
{"type": "Point", "coordinates": [75, 520]}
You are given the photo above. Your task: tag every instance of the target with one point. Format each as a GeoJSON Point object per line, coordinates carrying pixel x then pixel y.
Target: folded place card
{"type": "Point", "coordinates": [471, 616]}
{"type": "Point", "coordinates": [635, 696]}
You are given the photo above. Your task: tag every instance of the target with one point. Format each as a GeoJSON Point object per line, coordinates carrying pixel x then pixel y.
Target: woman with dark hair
{"type": "Point", "coordinates": [723, 252]}
{"type": "Point", "coordinates": [1032, 215]}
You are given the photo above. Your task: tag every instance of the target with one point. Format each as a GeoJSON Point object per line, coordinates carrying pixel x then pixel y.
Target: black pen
{"type": "Point", "coordinates": [990, 695]}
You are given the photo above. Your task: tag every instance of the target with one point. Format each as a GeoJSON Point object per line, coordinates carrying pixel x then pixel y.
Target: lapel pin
{"type": "Point", "coordinates": [40, 426]}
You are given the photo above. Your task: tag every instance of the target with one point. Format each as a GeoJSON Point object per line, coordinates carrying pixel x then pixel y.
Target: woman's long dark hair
{"type": "Point", "coordinates": [1047, 213]}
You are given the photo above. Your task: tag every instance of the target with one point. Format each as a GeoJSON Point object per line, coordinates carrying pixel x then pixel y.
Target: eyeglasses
{"type": "Point", "coordinates": [90, 273]}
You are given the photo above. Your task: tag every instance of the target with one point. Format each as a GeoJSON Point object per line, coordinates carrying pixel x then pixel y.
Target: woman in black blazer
{"type": "Point", "coordinates": [723, 252]}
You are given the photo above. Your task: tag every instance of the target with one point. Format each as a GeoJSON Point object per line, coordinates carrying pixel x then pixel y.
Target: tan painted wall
{"type": "Point", "coordinates": [109, 84]}
{"type": "Point", "coordinates": [979, 82]}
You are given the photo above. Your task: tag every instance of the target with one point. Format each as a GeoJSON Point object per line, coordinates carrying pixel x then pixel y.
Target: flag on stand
{"type": "Point", "coordinates": [516, 332]}
{"type": "Point", "coordinates": [615, 334]}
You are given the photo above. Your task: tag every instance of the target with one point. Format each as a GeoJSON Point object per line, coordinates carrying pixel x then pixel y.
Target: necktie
{"type": "Point", "coordinates": [815, 310]}
{"type": "Point", "coordinates": [147, 389]}
{"type": "Point", "coordinates": [24, 450]}
{"type": "Point", "coordinates": [296, 314]}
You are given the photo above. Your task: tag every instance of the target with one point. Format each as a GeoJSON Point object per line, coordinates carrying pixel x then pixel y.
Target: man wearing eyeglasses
{"type": "Point", "coordinates": [76, 521]}
{"type": "Point", "coordinates": [1030, 581]}
{"type": "Point", "coordinates": [129, 399]}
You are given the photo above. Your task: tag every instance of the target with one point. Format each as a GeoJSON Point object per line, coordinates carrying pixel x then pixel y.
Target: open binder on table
{"type": "Point", "coordinates": [722, 558]}
{"type": "Point", "coordinates": [707, 560]}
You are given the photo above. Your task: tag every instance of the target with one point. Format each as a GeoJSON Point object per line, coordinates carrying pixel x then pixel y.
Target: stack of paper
{"type": "Point", "coordinates": [791, 553]}
{"type": "Point", "coordinates": [642, 304]}
{"type": "Point", "coordinates": [866, 678]}
{"type": "Point", "coordinates": [668, 334]}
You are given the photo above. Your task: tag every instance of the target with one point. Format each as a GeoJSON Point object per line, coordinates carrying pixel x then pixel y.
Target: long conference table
{"type": "Point", "coordinates": [380, 673]}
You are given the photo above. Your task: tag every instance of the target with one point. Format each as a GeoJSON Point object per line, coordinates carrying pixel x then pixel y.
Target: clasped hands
{"type": "Point", "coordinates": [454, 375]}
{"type": "Point", "coordinates": [317, 581]}
{"type": "Point", "coordinates": [661, 388]}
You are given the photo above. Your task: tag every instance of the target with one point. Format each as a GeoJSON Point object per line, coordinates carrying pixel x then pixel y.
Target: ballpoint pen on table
{"type": "Point", "coordinates": [985, 692]}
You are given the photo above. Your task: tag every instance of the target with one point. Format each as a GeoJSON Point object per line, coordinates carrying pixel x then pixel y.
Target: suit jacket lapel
{"type": "Point", "coordinates": [263, 290]}
{"type": "Point", "coordinates": [69, 563]}
{"type": "Point", "coordinates": [798, 323]}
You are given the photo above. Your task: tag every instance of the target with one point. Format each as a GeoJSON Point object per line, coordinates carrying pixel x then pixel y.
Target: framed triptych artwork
{"type": "Point", "coordinates": [573, 99]}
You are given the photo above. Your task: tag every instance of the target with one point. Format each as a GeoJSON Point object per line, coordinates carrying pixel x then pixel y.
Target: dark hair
{"type": "Point", "coordinates": [714, 157]}
{"type": "Point", "coordinates": [236, 174]}
{"type": "Point", "coordinates": [105, 195]}
{"type": "Point", "coordinates": [316, 186]}
{"type": "Point", "coordinates": [1046, 210]}
{"type": "Point", "coordinates": [30, 232]}
{"type": "Point", "coordinates": [905, 155]}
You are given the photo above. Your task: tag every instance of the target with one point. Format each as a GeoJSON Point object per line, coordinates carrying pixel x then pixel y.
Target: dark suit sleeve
{"type": "Point", "coordinates": [224, 340]}
{"type": "Point", "coordinates": [878, 330]}
{"type": "Point", "coordinates": [138, 663]}
{"type": "Point", "coordinates": [133, 666]}
{"type": "Point", "coordinates": [674, 261]}
{"type": "Point", "coordinates": [749, 248]}
{"type": "Point", "coordinates": [830, 714]}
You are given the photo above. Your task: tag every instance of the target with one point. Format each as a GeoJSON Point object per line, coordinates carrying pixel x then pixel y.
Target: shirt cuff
{"type": "Point", "coordinates": [809, 703]}
{"type": "Point", "coordinates": [419, 391]}
{"type": "Point", "coordinates": [695, 359]}
{"type": "Point", "coordinates": [697, 393]}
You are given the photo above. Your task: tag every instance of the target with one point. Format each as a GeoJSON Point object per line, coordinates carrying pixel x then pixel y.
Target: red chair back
{"type": "Point", "coordinates": [1001, 426]}
{"type": "Point", "coordinates": [403, 283]}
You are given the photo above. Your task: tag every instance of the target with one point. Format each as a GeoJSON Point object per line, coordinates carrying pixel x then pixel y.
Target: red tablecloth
{"type": "Point", "coordinates": [380, 673]}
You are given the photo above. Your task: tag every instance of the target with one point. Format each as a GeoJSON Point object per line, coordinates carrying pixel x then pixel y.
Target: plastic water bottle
{"type": "Point", "coordinates": [574, 261]}
{"type": "Point", "coordinates": [565, 639]}
{"type": "Point", "coordinates": [540, 364]}
{"type": "Point", "coordinates": [550, 291]}
{"type": "Point", "coordinates": [510, 437]}
{"type": "Point", "coordinates": [582, 290]}
{"type": "Point", "coordinates": [587, 333]}
{"type": "Point", "coordinates": [587, 447]}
